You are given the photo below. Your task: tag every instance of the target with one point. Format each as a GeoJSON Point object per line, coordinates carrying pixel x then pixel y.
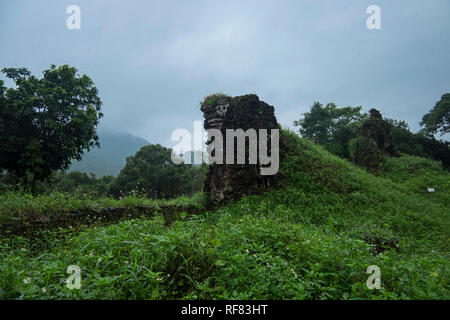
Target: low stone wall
{"type": "Point", "coordinates": [171, 214]}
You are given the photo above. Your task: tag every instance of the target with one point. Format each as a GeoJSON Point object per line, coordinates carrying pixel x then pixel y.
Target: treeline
{"type": "Point", "coordinates": [47, 122]}
{"type": "Point", "coordinates": [148, 173]}
{"type": "Point", "coordinates": [152, 173]}
{"type": "Point", "coordinates": [366, 137]}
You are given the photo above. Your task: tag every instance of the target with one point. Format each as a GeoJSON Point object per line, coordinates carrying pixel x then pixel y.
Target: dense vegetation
{"type": "Point", "coordinates": [339, 129]}
{"type": "Point", "coordinates": [151, 172]}
{"type": "Point", "coordinates": [438, 118]}
{"type": "Point", "coordinates": [311, 239]}
{"type": "Point", "coordinates": [355, 190]}
{"type": "Point", "coordinates": [47, 122]}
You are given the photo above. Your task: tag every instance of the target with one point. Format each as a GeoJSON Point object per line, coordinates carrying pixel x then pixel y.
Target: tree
{"type": "Point", "coordinates": [47, 122]}
{"type": "Point", "coordinates": [331, 126]}
{"type": "Point", "coordinates": [151, 172]}
{"type": "Point", "coordinates": [438, 118]}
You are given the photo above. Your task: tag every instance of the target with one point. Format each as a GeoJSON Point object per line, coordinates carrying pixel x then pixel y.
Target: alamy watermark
{"type": "Point", "coordinates": [258, 151]}
{"type": "Point", "coordinates": [374, 20]}
{"type": "Point", "coordinates": [74, 280]}
{"type": "Point", "coordinates": [374, 280]}
{"type": "Point", "coordinates": [74, 20]}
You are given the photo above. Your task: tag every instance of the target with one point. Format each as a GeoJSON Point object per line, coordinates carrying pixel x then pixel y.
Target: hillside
{"type": "Point", "coordinates": [313, 237]}
{"type": "Point", "coordinates": [110, 158]}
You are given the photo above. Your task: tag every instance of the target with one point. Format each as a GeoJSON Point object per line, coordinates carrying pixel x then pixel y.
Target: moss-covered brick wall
{"type": "Point", "coordinates": [231, 181]}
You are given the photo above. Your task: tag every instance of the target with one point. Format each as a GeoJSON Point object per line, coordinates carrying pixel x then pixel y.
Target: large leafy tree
{"type": "Point", "coordinates": [46, 122]}
{"type": "Point", "coordinates": [151, 172]}
{"type": "Point", "coordinates": [331, 126]}
{"type": "Point", "coordinates": [437, 120]}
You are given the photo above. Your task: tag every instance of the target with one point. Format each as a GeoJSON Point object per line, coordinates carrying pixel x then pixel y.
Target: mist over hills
{"type": "Point", "coordinates": [110, 158]}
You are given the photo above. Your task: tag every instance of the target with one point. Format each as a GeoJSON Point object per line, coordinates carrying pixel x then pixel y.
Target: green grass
{"type": "Point", "coordinates": [305, 240]}
{"type": "Point", "coordinates": [418, 174]}
{"type": "Point", "coordinates": [24, 206]}
{"type": "Point", "coordinates": [215, 99]}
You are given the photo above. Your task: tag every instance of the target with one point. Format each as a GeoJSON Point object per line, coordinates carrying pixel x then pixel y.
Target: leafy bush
{"type": "Point", "coordinates": [151, 172]}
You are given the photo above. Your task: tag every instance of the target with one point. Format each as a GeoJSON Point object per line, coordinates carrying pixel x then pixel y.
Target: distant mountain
{"type": "Point", "coordinates": [189, 157]}
{"type": "Point", "coordinates": [110, 158]}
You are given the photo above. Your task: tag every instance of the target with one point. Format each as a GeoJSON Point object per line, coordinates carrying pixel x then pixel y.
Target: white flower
{"type": "Point", "coordinates": [26, 280]}
{"type": "Point", "coordinates": [23, 249]}
{"type": "Point", "coordinates": [294, 273]}
{"type": "Point", "coordinates": [43, 290]}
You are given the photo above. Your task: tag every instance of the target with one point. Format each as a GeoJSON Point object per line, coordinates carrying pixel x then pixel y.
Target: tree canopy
{"type": "Point", "coordinates": [46, 122]}
{"type": "Point", "coordinates": [331, 126]}
{"type": "Point", "coordinates": [437, 120]}
{"type": "Point", "coordinates": [339, 131]}
{"type": "Point", "coordinates": [151, 172]}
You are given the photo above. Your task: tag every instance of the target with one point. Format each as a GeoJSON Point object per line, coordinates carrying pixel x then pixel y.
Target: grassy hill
{"type": "Point", "coordinates": [311, 238]}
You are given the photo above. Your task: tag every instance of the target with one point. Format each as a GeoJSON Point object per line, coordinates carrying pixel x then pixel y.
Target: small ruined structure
{"type": "Point", "coordinates": [373, 143]}
{"type": "Point", "coordinates": [379, 130]}
{"type": "Point", "coordinates": [226, 181]}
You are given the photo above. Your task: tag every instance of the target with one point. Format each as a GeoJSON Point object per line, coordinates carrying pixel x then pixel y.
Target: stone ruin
{"type": "Point", "coordinates": [231, 181]}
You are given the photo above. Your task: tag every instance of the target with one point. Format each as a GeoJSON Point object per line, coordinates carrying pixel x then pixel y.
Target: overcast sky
{"type": "Point", "coordinates": [154, 61]}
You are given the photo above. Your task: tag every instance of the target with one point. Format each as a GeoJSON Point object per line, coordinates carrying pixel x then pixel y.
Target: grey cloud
{"type": "Point", "coordinates": [153, 61]}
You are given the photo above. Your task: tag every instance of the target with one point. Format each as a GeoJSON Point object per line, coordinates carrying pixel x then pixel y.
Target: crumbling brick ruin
{"type": "Point", "coordinates": [231, 181]}
{"type": "Point", "coordinates": [374, 141]}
